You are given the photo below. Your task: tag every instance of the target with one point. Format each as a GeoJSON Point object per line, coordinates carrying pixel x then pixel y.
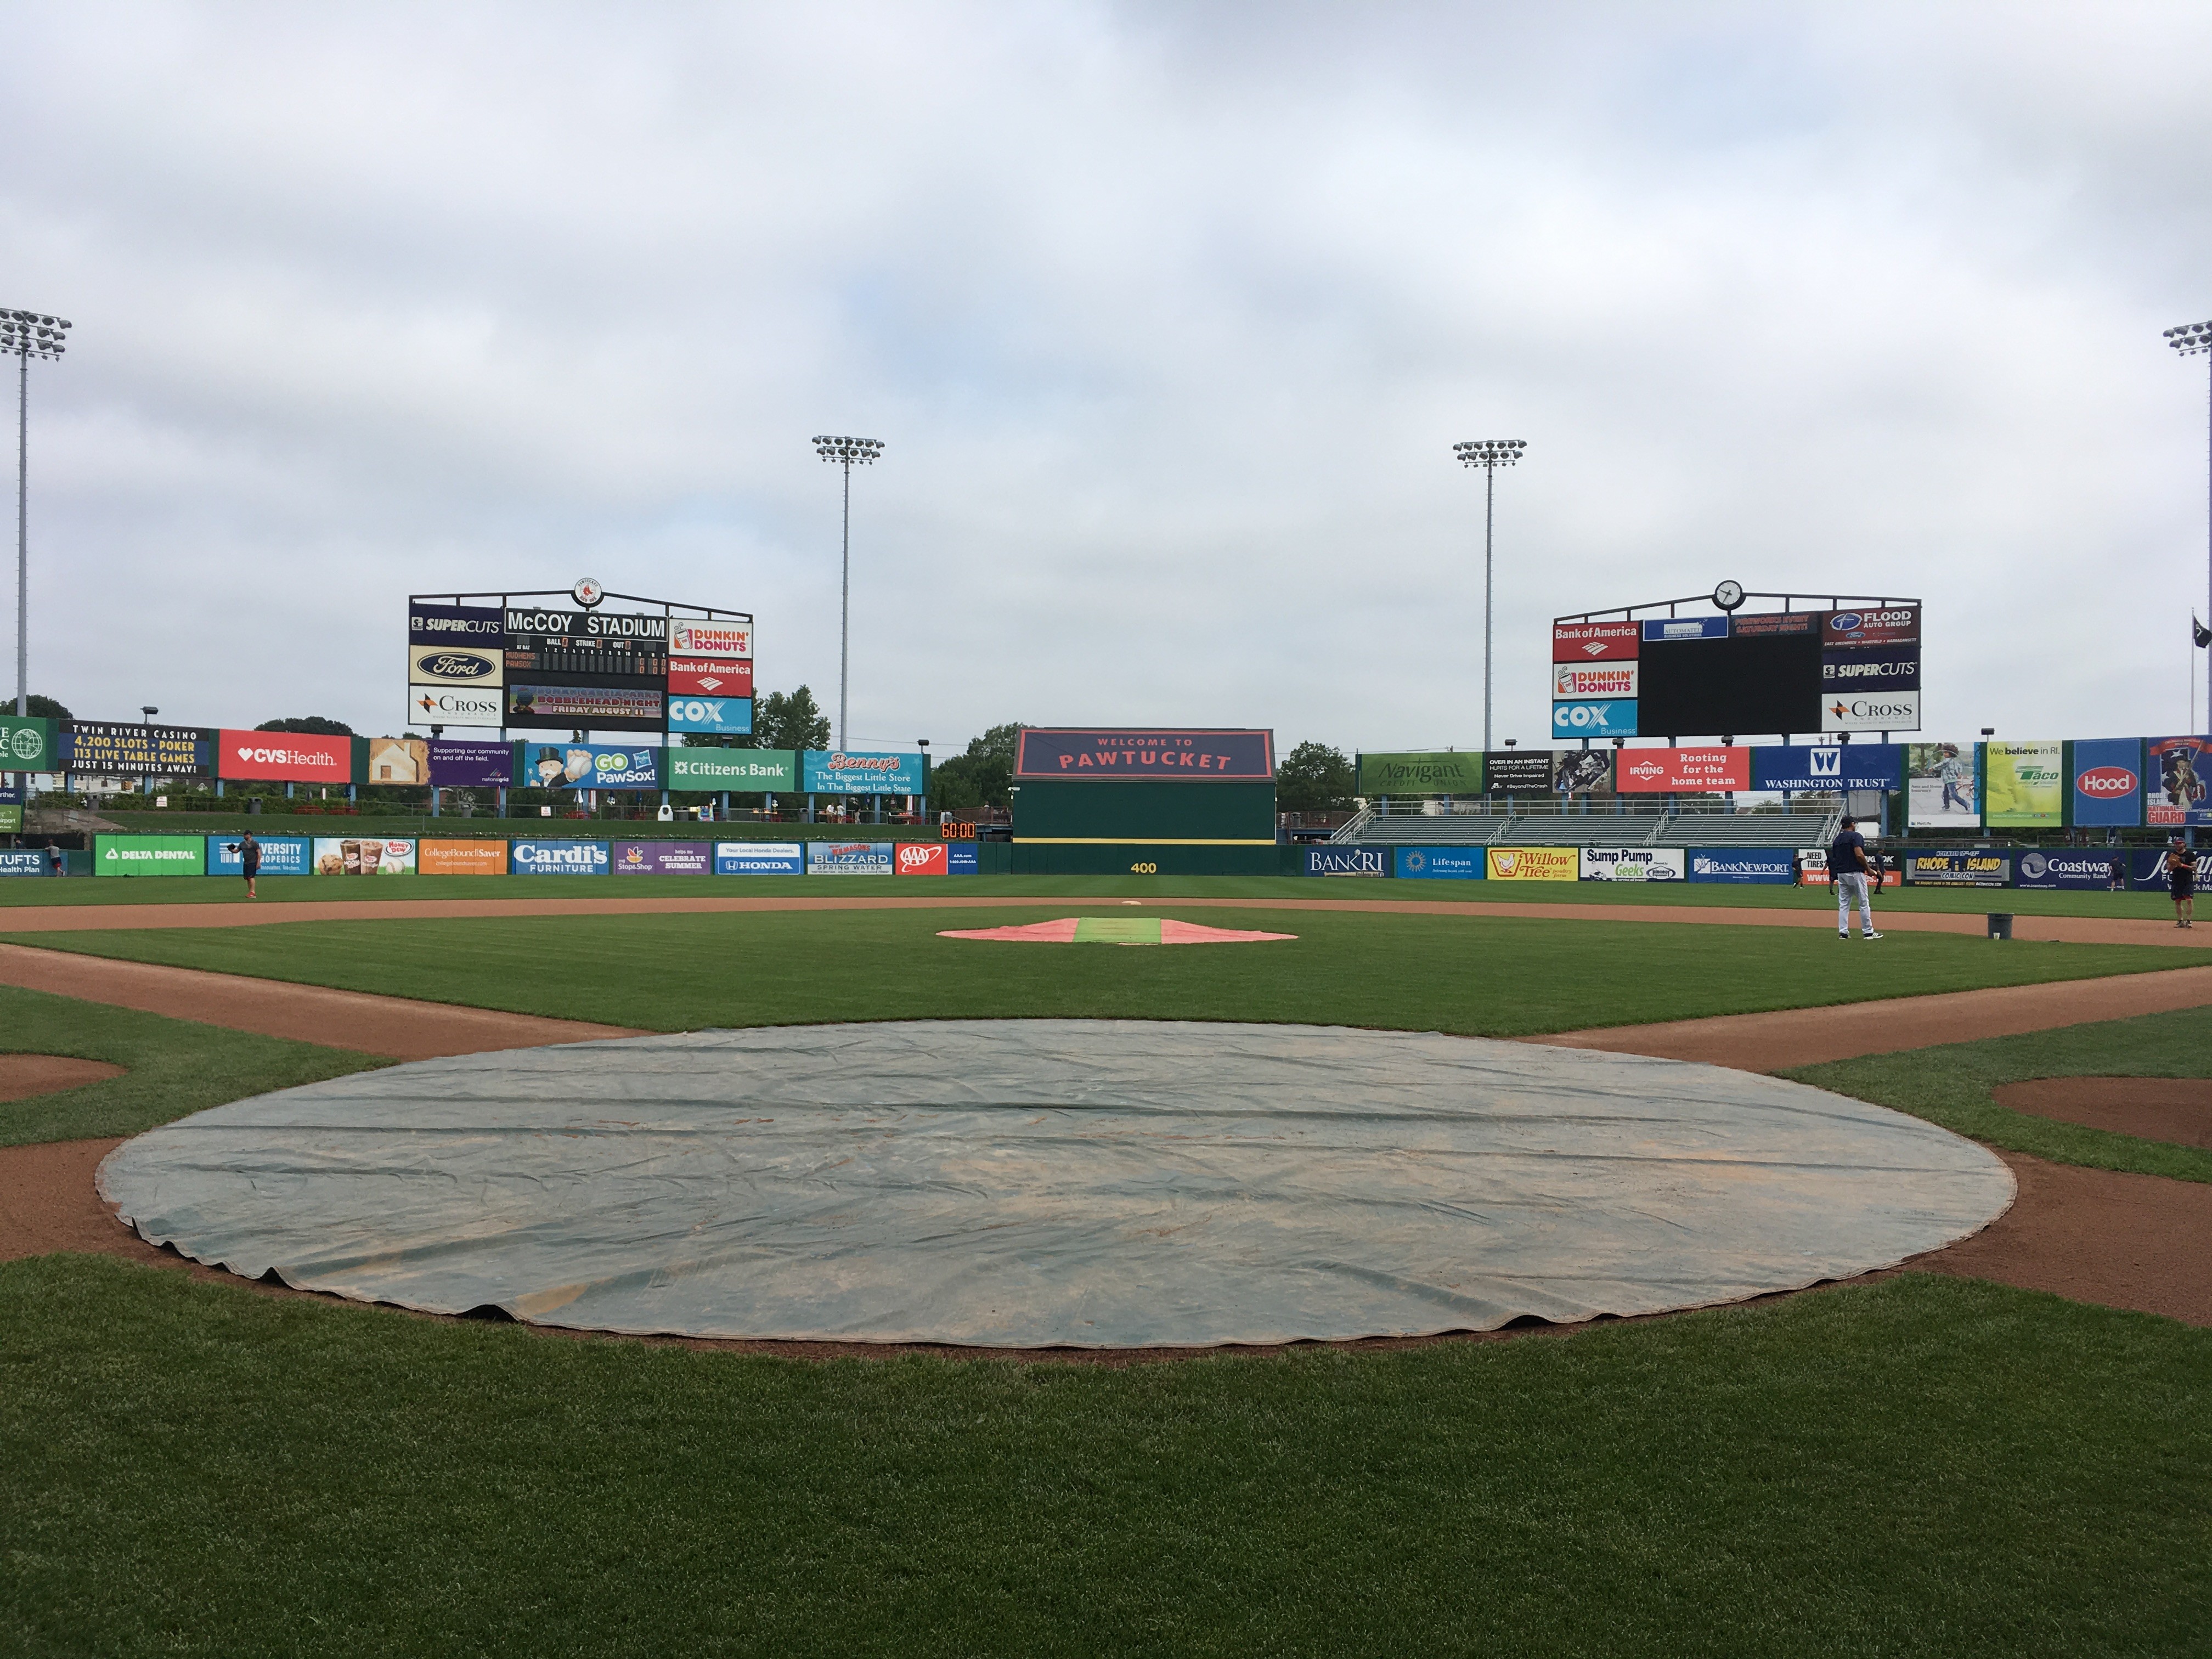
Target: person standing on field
{"type": "Point", "coordinates": [249, 861]}
{"type": "Point", "coordinates": [2119, 883]}
{"type": "Point", "coordinates": [1847, 867]}
{"type": "Point", "coordinates": [2181, 882]}
{"type": "Point", "coordinates": [56, 864]}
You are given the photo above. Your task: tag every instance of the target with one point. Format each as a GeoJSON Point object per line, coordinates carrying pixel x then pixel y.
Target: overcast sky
{"type": "Point", "coordinates": [1167, 316]}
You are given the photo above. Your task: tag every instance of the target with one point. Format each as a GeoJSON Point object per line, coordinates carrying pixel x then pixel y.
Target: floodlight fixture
{"type": "Point", "coordinates": [1489, 454]}
{"type": "Point", "coordinates": [2192, 340]}
{"type": "Point", "coordinates": [25, 335]}
{"type": "Point", "coordinates": [846, 453]}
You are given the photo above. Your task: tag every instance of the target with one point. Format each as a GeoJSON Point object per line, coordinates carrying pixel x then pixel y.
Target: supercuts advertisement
{"type": "Point", "coordinates": [456, 624]}
{"type": "Point", "coordinates": [162, 751]}
{"type": "Point", "coordinates": [1898, 624]}
{"type": "Point", "coordinates": [1664, 771]}
{"type": "Point", "coordinates": [284, 757]}
{"type": "Point", "coordinates": [1871, 668]}
{"type": "Point", "coordinates": [711, 677]}
{"type": "Point", "coordinates": [1188, 755]}
{"type": "Point", "coordinates": [2108, 780]}
{"type": "Point", "coordinates": [584, 625]}
{"type": "Point", "coordinates": [1599, 641]}
{"type": "Point", "coordinates": [2175, 770]}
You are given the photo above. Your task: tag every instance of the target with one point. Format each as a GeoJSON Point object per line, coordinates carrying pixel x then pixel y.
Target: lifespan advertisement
{"type": "Point", "coordinates": [2175, 770]}
{"type": "Point", "coordinates": [1939, 782]}
{"type": "Point", "coordinates": [2023, 784]}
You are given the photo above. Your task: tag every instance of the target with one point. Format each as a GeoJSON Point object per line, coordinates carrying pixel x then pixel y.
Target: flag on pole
{"type": "Point", "coordinates": [2199, 632]}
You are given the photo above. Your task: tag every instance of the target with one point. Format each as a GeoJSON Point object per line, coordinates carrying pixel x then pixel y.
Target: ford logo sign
{"type": "Point", "coordinates": [454, 666]}
{"type": "Point", "coordinates": [1845, 622]}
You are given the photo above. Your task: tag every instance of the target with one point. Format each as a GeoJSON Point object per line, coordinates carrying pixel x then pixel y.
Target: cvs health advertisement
{"type": "Point", "coordinates": [283, 757]}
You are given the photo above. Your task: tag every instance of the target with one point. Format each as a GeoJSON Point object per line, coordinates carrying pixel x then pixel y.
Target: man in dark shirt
{"type": "Point", "coordinates": [1847, 868]}
{"type": "Point", "coordinates": [2181, 882]}
{"type": "Point", "coordinates": [2119, 882]}
{"type": "Point", "coordinates": [249, 859]}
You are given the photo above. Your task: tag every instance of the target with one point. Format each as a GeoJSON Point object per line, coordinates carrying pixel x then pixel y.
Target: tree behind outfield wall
{"type": "Point", "coordinates": [981, 775]}
{"type": "Point", "coordinates": [793, 722]}
{"type": "Point", "coordinates": [1315, 778]}
{"type": "Point", "coordinates": [308, 725]}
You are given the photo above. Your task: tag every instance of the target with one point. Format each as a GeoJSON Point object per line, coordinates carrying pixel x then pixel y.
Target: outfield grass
{"type": "Point", "coordinates": [1478, 974]}
{"type": "Point", "coordinates": [1951, 1085]}
{"type": "Point", "coordinates": [175, 1066]}
{"type": "Point", "coordinates": [230, 889]}
{"type": "Point", "coordinates": [1923, 1465]}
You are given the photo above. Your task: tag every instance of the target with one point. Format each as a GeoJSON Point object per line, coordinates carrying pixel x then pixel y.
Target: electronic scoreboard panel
{"type": "Point", "coordinates": [1843, 666]}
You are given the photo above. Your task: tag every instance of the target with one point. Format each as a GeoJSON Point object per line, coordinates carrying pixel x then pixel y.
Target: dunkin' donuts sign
{"type": "Point", "coordinates": [284, 757]}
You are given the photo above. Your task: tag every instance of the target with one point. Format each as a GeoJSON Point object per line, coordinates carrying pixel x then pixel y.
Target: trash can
{"type": "Point", "coordinates": [2000, 924]}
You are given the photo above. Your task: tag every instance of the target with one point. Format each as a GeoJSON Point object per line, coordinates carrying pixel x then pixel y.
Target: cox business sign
{"type": "Point", "coordinates": [733, 715]}
{"type": "Point", "coordinates": [1593, 719]}
{"type": "Point", "coordinates": [1347, 861]}
{"type": "Point", "coordinates": [558, 858]}
{"type": "Point", "coordinates": [840, 773]}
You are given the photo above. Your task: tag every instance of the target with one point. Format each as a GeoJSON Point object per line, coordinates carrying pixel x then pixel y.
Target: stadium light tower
{"type": "Point", "coordinates": [27, 334]}
{"type": "Point", "coordinates": [1489, 454]}
{"type": "Point", "coordinates": [2191, 339]}
{"type": "Point", "coordinates": [846, 452]}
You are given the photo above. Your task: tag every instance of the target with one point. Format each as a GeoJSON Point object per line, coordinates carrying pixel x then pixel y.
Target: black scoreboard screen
{"type": "Point", "coordinates": [1721, 687]}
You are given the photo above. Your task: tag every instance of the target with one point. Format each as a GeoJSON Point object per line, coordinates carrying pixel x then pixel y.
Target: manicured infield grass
{"type": "Point", "coordinates": [230, 889]}
{"type": "Point", "coordinates": [1921, 1466]}
{"type": "Point", "coordinates": [1951, 1084]}
{"type": "Point", "coordinates": [1488, 975]}
{"type": "Point", "coordinates": [175, 1066]}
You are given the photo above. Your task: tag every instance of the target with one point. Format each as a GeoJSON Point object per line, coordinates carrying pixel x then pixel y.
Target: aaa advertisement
{"type": "Point", "coordinates": [1583, 772]}
{"type": "Point", "coordinates": [365, 856]}
{"type": "Point", "coordinates": [920, 858]}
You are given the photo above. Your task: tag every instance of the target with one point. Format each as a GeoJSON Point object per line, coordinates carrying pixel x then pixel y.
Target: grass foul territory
{"type": "Point", "coordinates": [1488, 976]}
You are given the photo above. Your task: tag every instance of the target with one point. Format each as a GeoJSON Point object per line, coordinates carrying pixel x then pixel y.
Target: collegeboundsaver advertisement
{"type": "Point", "coordinates": [363, 855]}
{"type": "Point", "coordinates": [849, 857]}
{"type": "Point", "coordinates": [759, 857]}
{"type": "Point", "coordinates": [558, 858]}
{"type": "Point", "coordinates": [1940, 787]}
{"type": "Point", "coordinates": [446, 857]}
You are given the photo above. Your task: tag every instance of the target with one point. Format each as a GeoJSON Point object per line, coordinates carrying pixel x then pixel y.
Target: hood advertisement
{"type": "Point", "coordinates": [759, 857]}
{"type": "Point", "coordinates": [1517, 771]}
{"type": "Point", "coordinates": [1347, 861]}
{"type": "Point", "coordinates": [557, 858]}
{"type": "Point", "coordinates": [26, 744]}
{"type": "Point", "coordinates": [1968, 869]}
{"type": "Point", "coordinates": [456, 624]}
{"type": "Point", "coordinates": [283, 757]}
{"type": "Point", "coordinates": [470, 765]}
{"type": "Point", "coordinates": [452, 705]}
{"type": "Point", "coordinates": [2175, 770]}
{"type": "Point", "coordinates": [1940, 791]}
{"type": "Point", "coordinates": [2023, 784]}
{"type": "Point", "coordinates": [445, 856]}
{"type": "Point", "coordinates": [840, 773]}
{"type": "Point", "coordinates": [664, 858]}
{"type": "Point", "coordinates": [730, 716]}
{"type": "Point", "coordinates": [1533, 863]}
{"type": "Point", "coordinates": [1772, 866]}
{"type": "Point", "coordinates": [1828, 768]}
{"type": "Point", "coordinates": [1595, 642]}
{"type": "Point", "coordinates": [149, 855]}
{"type": "Point", "coordinates": [1447, 772]}
{"type": "Point", "coordinates": [711, 677]}
{"type": "Point", "coordinates": [1439, 863]}
{"type": "Point", "coordinates": [849, 857]}
{"type": "Point", "coordinates": [1583, 771]}
{"type": "Point", "coordinates": [280, 855]}
{"type": "Point", "coordinates": [1593, 719]}
{"type": "Point", "coordinates": [1869, 711]}
{"type": "Point", "coordinates": [2108, 782]}
{"type": "Point", "coordinates": [1669, 771]}
{"type": "Point", "coordinates": [1186, 754]}
{"type": "Point", "coordinates": [1633, 864]}
{"type": "Point", "coordinates": [581, 705]}
{"type": "Point", "coordinates": [1587, 681]}
{"type": "Point", "coordinates": [923, 858]}
{"type": "Point", "coordinates": [1896, 624]}
{"type": "Point", "coordinates": [363, 855]}
{"type": "Point", "coordinates": [1871, 668]}
{"type": "Point", "coordinates": [715, 639]}
{"type": "Point", "coordinates": [585, 766]}
{"type": "Point", "coordinates": [456, 666]}
{"type": "Point", "coordinates": [746, 771]}
{"type": "Point", "coordinates": [2078, 868]}
{"type": "Point", "coordinates": [159, 750]}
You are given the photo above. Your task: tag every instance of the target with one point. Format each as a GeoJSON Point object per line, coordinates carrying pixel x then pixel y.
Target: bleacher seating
{"type": "Point", "coordinates": [1600, 828]}
{"type": "Point", "coordinates": [1746, 829]}
{"type": "Point", "coordinates": [1413, 829]}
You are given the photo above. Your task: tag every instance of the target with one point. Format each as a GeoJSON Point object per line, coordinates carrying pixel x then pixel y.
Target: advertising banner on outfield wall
{"type": "Point", "coordinates": [1421, 772]}
{"type": "Point", "coordinates": [664, 858]}
{"type": "Point", "coordinates": [1632, 864]}
{"type": "Point", "coordinates": [590, 766]}
{"type": "Point", "coordinates": [1600, 681]}
{"type": "Point", "coordinates": [149, 855]}
{"type": "Point", "coordinates": [1347, 861]}
{"type": "Point", "coordinates": [1967, 869]}
{"type": "Point", "coordinates": [1439, 863]}
{"type": "Point", "coordinates": [1582, 771]}
{"type": "Point", "coordinates": [160, 751]}
{"type": "Point", "coordinates": [747, 771]}
{"type": "Point", "coordinates": [22, 861]}
{"type": "Point", "coordinates": [923, 858]}
{"type": "Point", "coordinates": [452, 856]}
{"type": "Point", "coordinates": [26, 744]}
{"type": "Point", "coordinates": [1828, 766]}
{"type": "Point", "coordinates": [961, 859]}
{"type": "Point", "coordinates": [1773, 867]}
{"type": "Point", "coordinates": [1595, 642]}
{"type": "Point", "coordinates": [1940, 788]}
{"type": "Point", "coordinates": [2108, 782]}
{"type": "Point", "coordinates": [759, 857]}
{"type": "Point", "coordinates": [1186, 754]}
{"type": "Point", "coordinates": [1517, 771]}
{"type": "Point", "coordinates": [283, 757]}
{"type": "Point", "coordinates": [840, 773]}
{"type": "Point", "coordinates": [470, 765]}
{"type": "Point", "coordinates": [455, 705]}
{"type": "Point", "coordinates": [2075, 868]}
{"type": "Point", "coordinates": [2176, 771]}
{"type": "Point", "coordinates": [1593, 719]}
{"type": "Point", "coordinates": [2022, 783]}
{"type": "Point", "coordinates": [557, 858]}
{"type": "Point", "coordinates": [728, 716]}
{"type": "Point", "coordinates": [1667, 771]}
{"type": "Point", "coordinates": [363, 855]}
{"type": "Point", "coordinates": [1533, 863]}
{"type": "Point", "coordinates": [456, 624]}
{"type": "Point", "coordinates": [280, 855]}
{"type": "Point", "coordinates": [849, 857]}
{"type": "Point", "coordinates": [710, 677]}
{"type": "Point", "coordinates": [1812, 869]}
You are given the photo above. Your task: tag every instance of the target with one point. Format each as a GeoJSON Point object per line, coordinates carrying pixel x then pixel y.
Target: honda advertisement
{"type": "Point", "coordinates": [1666, 771]}
{"type": "Point", "coordinates": [759, 857]}
{"type": "Point", "coordinates": [1347, 861]}
{"type": "Point", "coordinates": [280, 855]}
{"type": "Point", "coordinates": [1772, 866]}
{"type": "Point", "coordinates": [664, 858]}
{"type": "Point", "coordinates": [557, 858]}
{"type": "Point", "coordinates": [2108, 782]}
{"type": "Point", "coordinates": [849, 857]}
{"type": "Point", "coordinates": [1829, 767]}
{"type": "Point", "coordinates": [283, 757]}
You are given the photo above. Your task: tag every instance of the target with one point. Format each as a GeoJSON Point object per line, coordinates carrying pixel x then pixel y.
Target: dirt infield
{"type": "Point", "coordinates": [91, 918]}
{"type": "Point", "coordinates": [22, 1076]}
{"type": "Point", "coordinates": [2177, 1110]}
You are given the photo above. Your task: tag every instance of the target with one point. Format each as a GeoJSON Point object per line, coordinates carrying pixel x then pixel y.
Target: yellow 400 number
{"type": "Point", "coordinates": [1144, 869]}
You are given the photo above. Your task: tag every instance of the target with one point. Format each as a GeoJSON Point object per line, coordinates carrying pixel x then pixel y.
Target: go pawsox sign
{"type": "Point", "coordinates": [26, 744]}
{"type": "Point", "coordinates": [149, 855]}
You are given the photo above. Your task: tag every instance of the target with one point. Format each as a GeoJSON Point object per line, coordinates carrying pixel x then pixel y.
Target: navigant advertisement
{"type": "Point", "coordinates": [1633, 864]}
{"type": "Point", "coordinates": [849, 857]}
{"type": "Point", "coordinates": [1533, 863]}
{"type": "Point", "coordinates": [1444, 772]}
{"type": "Point", "coordinates": [363, 855]}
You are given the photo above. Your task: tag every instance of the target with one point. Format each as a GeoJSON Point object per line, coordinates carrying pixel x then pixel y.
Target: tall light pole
{"type": "Point", "coordinates": [2191, 339]}
{"type": "Point", "coordinates": [846, 452]}
{"type": "Point", "coordinates": [27, 334]}
{"type": "Point", "coordinates": [1489, 454]}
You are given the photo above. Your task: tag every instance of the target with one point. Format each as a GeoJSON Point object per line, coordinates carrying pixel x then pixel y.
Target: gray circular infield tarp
{"type": "Point", "coordinates": [1029, 1184]}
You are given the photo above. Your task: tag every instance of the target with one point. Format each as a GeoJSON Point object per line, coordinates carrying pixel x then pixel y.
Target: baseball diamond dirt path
{"type": "Point", "coordinates": [2128, 1241]}
{"type": "Point", "coordinates": [85, 918]}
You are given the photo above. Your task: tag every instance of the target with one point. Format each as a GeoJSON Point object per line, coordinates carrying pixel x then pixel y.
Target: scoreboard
{"type": "Point", "coordinates": [1847, 665]}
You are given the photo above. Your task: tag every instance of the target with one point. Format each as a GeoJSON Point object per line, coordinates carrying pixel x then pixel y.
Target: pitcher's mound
{"type": "Point", "coordinates": [1114, 930]}
{"type": "Point", "coordinates": [22, 1076]}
